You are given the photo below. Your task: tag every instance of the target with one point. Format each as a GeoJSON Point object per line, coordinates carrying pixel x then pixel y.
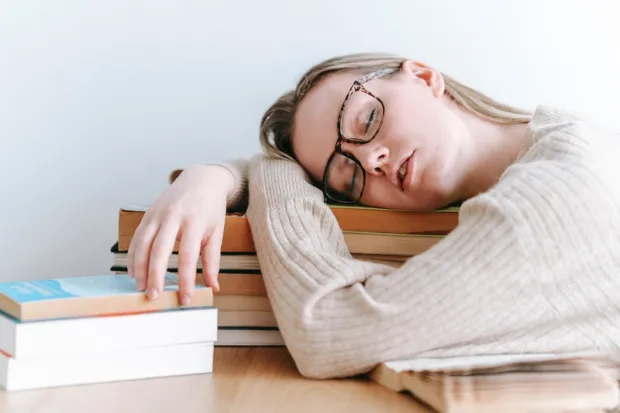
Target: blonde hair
{"type": "Point", "coordinates": [277, 123]}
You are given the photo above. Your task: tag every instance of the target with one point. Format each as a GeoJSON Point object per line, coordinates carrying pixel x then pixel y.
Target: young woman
{"type": "Point", "coordinates": [532, 266]}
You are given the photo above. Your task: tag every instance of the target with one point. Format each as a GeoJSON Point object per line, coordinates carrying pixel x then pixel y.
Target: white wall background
{"type": "Point", "coordinates": [99, 100]}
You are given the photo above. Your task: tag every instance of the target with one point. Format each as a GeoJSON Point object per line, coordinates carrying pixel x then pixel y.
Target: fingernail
{"type": "Point", "coordinates": [185, 299]}
{"type": "Point", "coordinates": [216, 286]}
{"type": "Point", "coordinates": [152, 293]}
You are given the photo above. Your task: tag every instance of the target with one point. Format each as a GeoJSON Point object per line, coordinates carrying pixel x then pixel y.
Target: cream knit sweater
{"type": "Point", "coordinates": [533, 266]}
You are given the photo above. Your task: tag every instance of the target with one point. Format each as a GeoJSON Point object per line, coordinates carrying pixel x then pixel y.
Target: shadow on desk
{"type": "Point", "coordinates": [244, 379]}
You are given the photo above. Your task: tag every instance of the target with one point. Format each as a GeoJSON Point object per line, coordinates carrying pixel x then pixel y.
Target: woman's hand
{"type": "Point", "coordinates": [192, 210]}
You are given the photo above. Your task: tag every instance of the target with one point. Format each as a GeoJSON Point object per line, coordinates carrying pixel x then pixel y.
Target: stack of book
{"type": "Point", "coordinates": [94, 329]}
{"type": "Point", "coordinates": [245, 317]}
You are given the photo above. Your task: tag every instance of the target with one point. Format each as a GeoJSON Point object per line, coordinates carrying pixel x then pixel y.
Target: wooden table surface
{"type": "Point", "coordinates": [244, 379]}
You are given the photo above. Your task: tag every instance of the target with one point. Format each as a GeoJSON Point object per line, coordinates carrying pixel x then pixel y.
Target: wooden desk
{"type": "Point", "coordinates": [244, 380]}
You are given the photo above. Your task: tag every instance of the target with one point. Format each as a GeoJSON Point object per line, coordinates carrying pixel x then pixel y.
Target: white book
{"type": "Point", "coordinates": [117, 365]}
{"type": "Point", "coordinates": [89, 335]}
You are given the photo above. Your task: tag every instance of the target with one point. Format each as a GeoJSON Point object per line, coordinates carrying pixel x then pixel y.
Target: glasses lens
{"type": "Point", "coordinates": [345, 179]}
{"type": "Point", "coordinates": [361, 117]}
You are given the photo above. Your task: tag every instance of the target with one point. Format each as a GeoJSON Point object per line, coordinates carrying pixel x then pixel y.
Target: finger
{"type": "Point", "coordinates": [141, 238]}
{"type": "Point", "coordinates": [135, 240]}
{"type": "Point", "coordinates": [189, 250]}
{"type": "Point", "coordinates": [210, 254]}
{"type": "Point", "coordinates": [138, 254]}
{"type": "Point", "coordinates": [161, 250]}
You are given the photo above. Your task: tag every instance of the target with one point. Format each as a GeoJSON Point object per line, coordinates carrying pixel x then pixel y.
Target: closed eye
{"type": "Point", "coordinates": [371, 119]}
{"type": "Point", "coordinates": [351, 186]}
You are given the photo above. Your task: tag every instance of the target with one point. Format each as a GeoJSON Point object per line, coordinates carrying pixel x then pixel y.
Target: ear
{"type": "Point", "coordinates": [174, 174]}
{"type": "Point", "coordinates": [432, 79]}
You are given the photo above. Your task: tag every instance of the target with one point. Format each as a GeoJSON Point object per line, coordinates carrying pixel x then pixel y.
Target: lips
{"type": "Point", "coordinates": [404, 172]}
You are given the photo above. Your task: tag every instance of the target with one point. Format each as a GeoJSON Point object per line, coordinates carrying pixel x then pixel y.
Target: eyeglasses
{"type": "Point", "coordinates": [359, 121]}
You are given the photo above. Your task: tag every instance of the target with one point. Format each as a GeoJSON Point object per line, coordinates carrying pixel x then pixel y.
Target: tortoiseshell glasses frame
{"type": "Point", "coordinates": [357, 86]}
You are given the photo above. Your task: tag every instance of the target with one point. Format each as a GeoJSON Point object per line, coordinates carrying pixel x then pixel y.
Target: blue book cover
{"type": "Point", "coordinates": [70, 287]}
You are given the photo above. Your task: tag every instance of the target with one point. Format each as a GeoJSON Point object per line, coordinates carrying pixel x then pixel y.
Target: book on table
{"type": "Point", "coordinates": [506, 383]}
{"type": "Point", "coordinates": [92, 329]}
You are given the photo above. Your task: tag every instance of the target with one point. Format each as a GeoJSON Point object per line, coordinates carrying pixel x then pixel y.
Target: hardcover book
{"type": "Point", "coordinates": [95, 295]}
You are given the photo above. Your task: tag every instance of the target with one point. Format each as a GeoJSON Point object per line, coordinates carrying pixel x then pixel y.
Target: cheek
{"type": "Point", "coordinates": [313, 160]}
{"type": "Point", "coordinates": [380, 193]}
{"type": "Point", "coordinates": [412, 124]}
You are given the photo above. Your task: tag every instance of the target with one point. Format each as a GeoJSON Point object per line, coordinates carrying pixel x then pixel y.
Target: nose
{"type": "Point", "coordinates": [373, 156]}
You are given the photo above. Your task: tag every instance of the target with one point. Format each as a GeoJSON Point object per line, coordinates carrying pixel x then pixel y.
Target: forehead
{"type": "Point", "coordinates": [315, 131]}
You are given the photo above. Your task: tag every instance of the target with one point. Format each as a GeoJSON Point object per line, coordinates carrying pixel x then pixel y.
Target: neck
{"type": "Point", "coordinates": [493, 147]}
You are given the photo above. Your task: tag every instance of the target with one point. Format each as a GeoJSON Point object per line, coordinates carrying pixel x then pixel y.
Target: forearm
{"type": "Point", "coordinates": [237, 198]}
{"type": "Point", "coordinates": [341, 316]}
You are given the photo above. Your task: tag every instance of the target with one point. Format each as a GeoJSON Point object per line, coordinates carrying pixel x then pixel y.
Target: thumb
{"type": "Point", "coordinates": [210, 255]}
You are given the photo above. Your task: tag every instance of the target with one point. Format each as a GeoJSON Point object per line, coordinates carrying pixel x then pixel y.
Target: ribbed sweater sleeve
{"type": "Point", "coordinates": [340, 316]}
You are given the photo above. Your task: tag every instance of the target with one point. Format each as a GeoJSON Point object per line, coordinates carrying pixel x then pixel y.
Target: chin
{"type": "Point", "coordinates": [430, 202]}
{"type": "Point", "coordinates": [428, 195]}
{"type": "Point", "coordinates": [422, 203]}
{"type": "Point", "coordinates": [435, 188]}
